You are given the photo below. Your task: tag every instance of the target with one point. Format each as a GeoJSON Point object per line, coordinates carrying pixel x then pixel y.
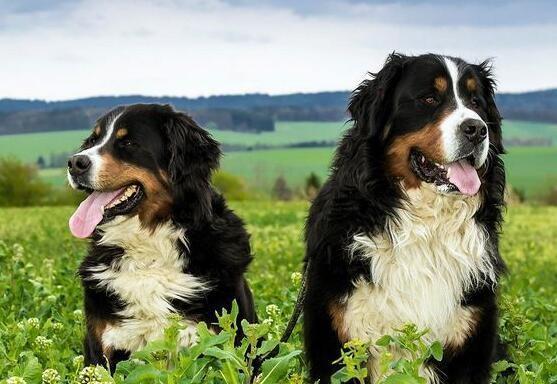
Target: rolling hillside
{"type": "Point", "coordinates": [531, 169]}
{"type": "Point", "coordinates": [29, 147]}
{"type": "Point", "coordinates": [244, 113]}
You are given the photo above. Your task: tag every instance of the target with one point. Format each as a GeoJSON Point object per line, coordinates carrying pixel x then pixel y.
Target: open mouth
{"type": "Point", "coordinates": [125, 202]}
{"type": "Point", "coordinates": [101, 206]}
{"type": "Point", "coordinates": [458, 176]}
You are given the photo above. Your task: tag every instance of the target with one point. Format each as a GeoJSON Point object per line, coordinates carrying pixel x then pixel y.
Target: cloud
{"type": "Point", "coordinates": [197, 48]}
{"type": "Point", "coordinates": [425, 12]}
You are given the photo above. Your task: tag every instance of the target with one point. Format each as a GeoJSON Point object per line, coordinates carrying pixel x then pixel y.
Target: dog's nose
{"type": "Point", "coordinates": [79, 164]}
{"type": "Point", "coordinates": [474, 130]}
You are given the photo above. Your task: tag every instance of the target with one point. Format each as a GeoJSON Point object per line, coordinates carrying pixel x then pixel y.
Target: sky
{"type": "Point", "coordinates": [61, 49]}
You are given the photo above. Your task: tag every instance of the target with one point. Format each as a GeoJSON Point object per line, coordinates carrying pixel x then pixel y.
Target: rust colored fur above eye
{"type": "Point", "coordinates": [440, 84]}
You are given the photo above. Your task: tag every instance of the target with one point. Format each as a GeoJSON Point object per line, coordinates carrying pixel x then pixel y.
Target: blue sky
{"type": "Point", "coordinates": [67, 49]}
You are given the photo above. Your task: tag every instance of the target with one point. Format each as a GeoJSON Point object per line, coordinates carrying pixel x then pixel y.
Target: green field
{"type": "Point", "coordinates": [530, 169]}
{"type": "Point", "coordinates": [28, 147]}
{"type": "Point", "coordinates": [42, 324]}
{"type": "Point", "coordinates": [286, 133]}
{"type": "Point", "coordinates": [527, 130]}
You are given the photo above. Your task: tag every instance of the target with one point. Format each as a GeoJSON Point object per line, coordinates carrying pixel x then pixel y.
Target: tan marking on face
{"type": "Point", "coordinates": [122, 132]}
{"type": "Point", "coordinates": [97, 130]}
{"type": "Point", "coordinates": [428, 140]}
{"type": "Point", "coordinates": [471, 84]}
{"type": "Point", "coordinates": [336, 312]}
{"type": "Point", "coordinates": [464, 324]}
{"type": "Point", "coordinates": [157, 200]}
{"type": "Point", "coordinates": [440, 84]}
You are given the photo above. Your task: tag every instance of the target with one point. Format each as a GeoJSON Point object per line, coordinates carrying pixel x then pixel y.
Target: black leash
{"type": "Point", "coordinates": [289, 327]}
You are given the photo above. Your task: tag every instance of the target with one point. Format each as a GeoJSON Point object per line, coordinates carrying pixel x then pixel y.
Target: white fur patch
{"type": "Point", "coordinates": [94, 156]}
{"type": "Point", "coordinates": [421, 266]}
{"type": "Point", "coordinates": [146, 278]}
{"type": "Point", "coordinates": [451, 124]}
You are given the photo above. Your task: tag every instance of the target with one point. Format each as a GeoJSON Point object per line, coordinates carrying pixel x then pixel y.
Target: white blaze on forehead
{"type": "Point", "coordinates": [451, 124]}
{"type": "Point", "coordinates": [93, 153]}
{"type": "Point", "coordinates": [108, 133]}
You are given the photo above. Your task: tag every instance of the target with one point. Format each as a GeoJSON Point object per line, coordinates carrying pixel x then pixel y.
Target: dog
{"type": "Point", "coordinates": [406, 229]}
{"type": "Point", "coordinates": [162, 240]}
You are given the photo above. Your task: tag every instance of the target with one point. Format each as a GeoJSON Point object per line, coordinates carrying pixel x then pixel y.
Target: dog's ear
{"type": "Point", "coordinates": [370, 105]}
{"type": "Point", "coordinates": [193, 156]}
{"type": "Point", "coordinates": [488, 82]}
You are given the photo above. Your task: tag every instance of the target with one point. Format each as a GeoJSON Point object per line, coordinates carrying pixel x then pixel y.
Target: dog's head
{"type": "Point", "coordinates": [435, 118]}
{"type": "Point", "coordinates": [147, 160]}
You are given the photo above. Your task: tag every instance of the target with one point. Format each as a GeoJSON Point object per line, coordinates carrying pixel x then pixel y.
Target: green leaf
{"type": "Point", "coordinates": [436, 351]}
{"type": "Point", "coordinates": [384, 341]}
{"type": "Point", "coordinates": [500, 366]}
{"type": "Point", "coordinates": [125, 367]}
{"type": "Point", "coordinates": [400, 378]}
{"type": "Point", "coordinates": [197, 374]}
{"type": "Point", "coordinates": [223, 355]}
{"type": "Point", "coordinates": [229, 374]}
{"type": "Point", "coordinates": [341, 376]}
{"type": "Point", "coordinates": [267, 346]}
{"type": "Point", "coordinates": [33, 370]}
{"type": "Point", "coordinates": [143, 373]}
{"type": "Point", "coordinates": [275, 370]}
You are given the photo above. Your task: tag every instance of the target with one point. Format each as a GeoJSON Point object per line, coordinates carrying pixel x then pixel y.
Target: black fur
{"type": "Point", "coordinates": [360, 195]}
{"type": "Point", "coordinates": [170, 143]}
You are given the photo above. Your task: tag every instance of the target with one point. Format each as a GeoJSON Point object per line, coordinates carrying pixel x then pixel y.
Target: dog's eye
{"type": "Point", "coordinates": [430, 100]}
{"type": "Point", "coordinates": [126, 143]}
{"type": "Point", "coordinates": [92, 140]}
{"type": "Point", "coordinates": [475, 102]}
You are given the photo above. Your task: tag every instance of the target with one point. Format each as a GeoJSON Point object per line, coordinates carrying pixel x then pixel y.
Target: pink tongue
{"type": "Point", "coordinates": [464, 176]}
{"type": "Point", "coordinates": [90, 213]}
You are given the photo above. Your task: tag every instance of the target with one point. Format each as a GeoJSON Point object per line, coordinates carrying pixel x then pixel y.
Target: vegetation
{"type": "Point", "coordinates": [42, 323]}
{"type": "Point", "coordinates": [313, 184]}
{"type": "Point", "coordinates": [530, 169]}
{"type": "Point", "coordinates": [248, 113]}
{"type": "Point", "coordinates": [29, 147]}
{"type": "Point", "coordinates": [281, 190]}
{"type": "Point", "coordinates": [550, 198]}
{"type": "Point", "coordinates": [21, 186]}
{"type": "Point", "coordinates": [232, 187]}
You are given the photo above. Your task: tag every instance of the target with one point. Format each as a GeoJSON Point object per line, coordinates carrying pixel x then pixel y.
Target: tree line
{"type": "Point", "coordinates": [243, 113]}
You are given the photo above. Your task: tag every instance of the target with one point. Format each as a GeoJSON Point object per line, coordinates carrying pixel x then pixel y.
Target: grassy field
{"type": "Point", "coordinates": [28, 147]}
{"type": "Point", "coordinates": [530, 169]}
{"type": "Point", "coordinates": [290, 132]}
{"type": "Point", "coordinates": [42, 325]}
{"type": "Point", "coordinates": [527, 130]}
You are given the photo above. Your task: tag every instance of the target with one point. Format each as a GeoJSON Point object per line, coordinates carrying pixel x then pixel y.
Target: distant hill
{"type": "Point", "coordinates": [243, 113]}
{"type": "Point", "coordinates": [529, 106]}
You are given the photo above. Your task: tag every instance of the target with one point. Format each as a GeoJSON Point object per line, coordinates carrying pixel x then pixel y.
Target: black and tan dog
{"type": "Point", "coordinates": [162, 240]}
{"type": "Point", "coordinates": [406, 228]}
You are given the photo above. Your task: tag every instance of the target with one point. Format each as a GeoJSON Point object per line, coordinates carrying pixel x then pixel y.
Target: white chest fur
{"type": "Point", "coordinates": [146, 278]}
{"type": "Point", "coordinates": [421, 265]}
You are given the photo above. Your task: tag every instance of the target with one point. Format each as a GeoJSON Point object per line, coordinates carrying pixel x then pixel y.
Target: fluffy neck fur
{"type": "Point", "coordinates": [423, 262]}
{"type": "Point", "coordinates": [146, 278]}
